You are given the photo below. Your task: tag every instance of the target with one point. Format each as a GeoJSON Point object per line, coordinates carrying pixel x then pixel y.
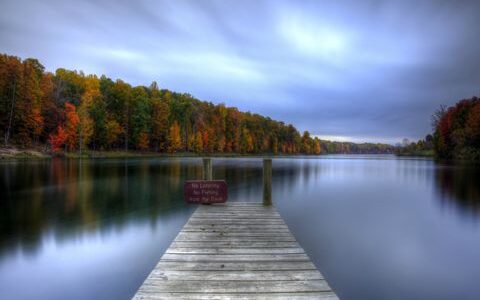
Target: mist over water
{"type": "Point", "coordinates": [377, 227]}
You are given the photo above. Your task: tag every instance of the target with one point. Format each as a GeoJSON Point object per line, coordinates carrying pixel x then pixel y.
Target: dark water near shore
{"type": "Point", "coordinates": [377, 227]}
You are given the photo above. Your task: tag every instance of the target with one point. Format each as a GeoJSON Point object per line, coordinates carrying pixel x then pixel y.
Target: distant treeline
{"type": "Point", "coordinates": [420, 148]}
{"type": "Point", "coordinates": [456, 133]}
{"type": "Point", "coordinates": [71, 111]}
{"type": "Point", "coordinates": [330, 147]}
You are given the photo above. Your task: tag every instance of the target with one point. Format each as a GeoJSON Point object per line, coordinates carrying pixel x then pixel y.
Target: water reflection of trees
{"type": "Point", "coordinates": [460, 186]}
{"type": "Point", "coordinates": [69, 197]}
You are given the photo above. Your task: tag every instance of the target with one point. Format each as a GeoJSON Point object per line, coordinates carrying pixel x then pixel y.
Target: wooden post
{"type": "Point", "coordinates": [207, 169]}
{"type": "Point", "coordinates": [267, 181]}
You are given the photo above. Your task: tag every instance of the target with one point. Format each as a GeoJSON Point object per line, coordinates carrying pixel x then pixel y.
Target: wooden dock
{"type": "Point", "coordinates": [235, 251]}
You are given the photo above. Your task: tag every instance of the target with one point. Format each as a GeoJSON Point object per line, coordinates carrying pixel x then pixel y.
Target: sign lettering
{"type": "Point", "coordinates": [205, 191]}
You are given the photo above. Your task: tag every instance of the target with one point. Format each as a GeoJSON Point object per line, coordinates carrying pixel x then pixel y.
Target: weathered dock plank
{"type": "Point", "coordinates": [235, 251]}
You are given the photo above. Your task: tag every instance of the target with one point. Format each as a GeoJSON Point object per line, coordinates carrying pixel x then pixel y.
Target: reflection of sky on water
{"type": "Point", "coordinates": [80, 266]}
{"type": "Point", "coordinates": [379, 230]}
{"type": "Point", "coordinates": [377, 227]}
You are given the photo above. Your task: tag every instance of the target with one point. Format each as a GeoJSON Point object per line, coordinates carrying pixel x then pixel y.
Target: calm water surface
{"type": "Point", "coordinates": [377, 227]}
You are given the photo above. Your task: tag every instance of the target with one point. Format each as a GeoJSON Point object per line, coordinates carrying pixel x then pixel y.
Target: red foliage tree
{"type": "Point", "coordinates": [57, 140]}
{"type": "Point", "coordinates": [457, 130]}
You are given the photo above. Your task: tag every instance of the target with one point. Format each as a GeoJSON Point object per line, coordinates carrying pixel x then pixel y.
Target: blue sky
{"type": "Point", "coordinates": [346, 70]}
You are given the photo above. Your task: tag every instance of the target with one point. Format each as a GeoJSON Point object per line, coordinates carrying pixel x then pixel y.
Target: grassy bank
{"type": "Point", "coordinates": [16, 153]}
{"type": "Point", "coordinates": [422, 153]}
{"type": "Point", "coordinates": [42, 153]}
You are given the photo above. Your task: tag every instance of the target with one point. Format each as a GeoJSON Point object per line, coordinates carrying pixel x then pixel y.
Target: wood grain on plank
{"type": "Point", "coordinates": [233, 244]}
{"type": "Point", "coordinates": [279, 275]}
{"type": "Point", "coordinates": [234, 266]}
{"type": "Point", "coordinates": [223, 286]}
{"type": "Point", "coordinates": [182, 250]}
{"type": "Point", "coordinates": [224, 296]}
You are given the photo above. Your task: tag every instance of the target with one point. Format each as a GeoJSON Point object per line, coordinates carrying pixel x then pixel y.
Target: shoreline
{"type": "Point", "coordinates": [427, 153]}
{"type": "Point", "coordinates": [12, 153]}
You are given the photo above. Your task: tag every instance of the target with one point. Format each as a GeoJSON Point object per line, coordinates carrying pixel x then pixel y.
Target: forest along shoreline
{"type": "Point", "coordinates": [69, 112]}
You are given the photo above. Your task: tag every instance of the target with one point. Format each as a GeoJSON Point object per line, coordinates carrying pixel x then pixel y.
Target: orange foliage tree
{"type": "Point", "coordinates": [174, 138]}
{"type": "Point", "coordinates": [142, 143]}
{"type": "Point", "coordinates": [72, 121]}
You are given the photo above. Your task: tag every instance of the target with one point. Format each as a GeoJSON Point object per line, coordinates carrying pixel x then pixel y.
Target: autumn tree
{"type": "Point", "coordinates": [69, 86]}
{"type": "Point", "coordinates": [174, 138]}
{"type": "Point", "coordinates": [142, 141]}
{"type": "Point", "coordinates": [246, 141]}
{"type": "Point", "coordinates": [472, 126]}
{"type": "Point", "coordinates": [199, 142]}
{"type": "Point", "coordinates": [274, 146]}
{"type": "Point", "coordinates": [99, 116]}
{"type": "Point", "coordinates": [121, 103]}
{"type": "Point", "coordinates": [160, 116]}
{"type": "Point", "coordinates": [457, 130]}
{"type": "Point", "coordinates": [90, 96]}
{"type": "Point", "coordinates": [306, 143]}
{"type": "Point", "coordinates": [113, 131]}
{"type": "Point", "coordinates": [219, 123]}
{"type": "Point", "coordinates": [57, 139]}
{"type": "Point", "coordinates": [72, 122]}
{"type": "Point", "coordinates": [51, 112]}
{"type": "Point", "coordinates": [21, 99]}
{"type": "Point", "coordinates": [10, 67]}
{"type": "Point", "coordinates": [316, 147]}
{"type": "Point", "coordinates": [140, 117]}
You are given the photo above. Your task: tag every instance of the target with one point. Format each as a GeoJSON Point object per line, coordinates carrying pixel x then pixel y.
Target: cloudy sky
{"type": "Point", "coordinates": [355, 70]}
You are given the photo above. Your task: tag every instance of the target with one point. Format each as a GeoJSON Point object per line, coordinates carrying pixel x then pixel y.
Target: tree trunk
{"type": "Point", "coordinates": [7, 133]}
{"type": "Point", "coordinates": [126, 138]}
{"type": "Point", "coordinates": [186, 137]}
{"type": "Point", "coordinates": [126, 134]}
{"type": "Point", "coordinates": [80, 142]}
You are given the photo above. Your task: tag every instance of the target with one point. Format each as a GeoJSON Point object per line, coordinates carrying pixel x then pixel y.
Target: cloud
{"type": "Point", "coordinates": [361, 70]}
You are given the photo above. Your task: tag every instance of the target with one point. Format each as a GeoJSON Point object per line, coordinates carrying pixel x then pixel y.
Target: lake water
{"type": "Point", "coordinates": [377, 227]}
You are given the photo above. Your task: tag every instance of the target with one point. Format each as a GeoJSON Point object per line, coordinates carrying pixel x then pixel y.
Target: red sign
{"type": "Point", "coordinates": [205, 191]}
